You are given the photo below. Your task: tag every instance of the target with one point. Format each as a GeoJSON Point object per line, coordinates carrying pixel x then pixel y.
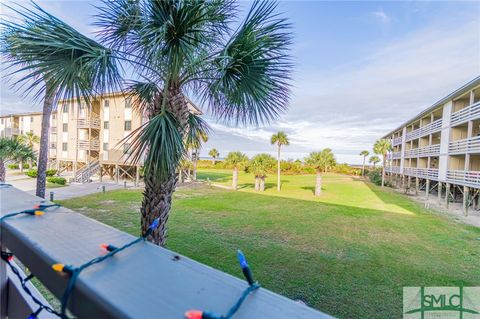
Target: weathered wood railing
{"type": "Point", "coordinates": [144, 281]}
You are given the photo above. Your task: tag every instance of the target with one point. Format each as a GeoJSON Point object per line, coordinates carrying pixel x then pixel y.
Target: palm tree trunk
{"type": "Point", "coordinates": [195, 166]}
{"type": "Point", "coordinates": [262, 183]}
{"type": "Point", "coordinates": [278, 169]}
{"type": "Point", "coordinates": [2, 171]}
{"type": "Point", "coordinates": [21, 166]}
{"type": "Point", "coordinates": [235, 178]}
{"type": "Point", "coordinates": [383, 171]}
{"type": "Point", "coordinates": [363, 167]}
{"type": "Point", "coordinates": [157, 202]}
{"type": "Point", "coordinates": [318, 184]}
{"type": "Point", "coordinates": [43, 153]}
{"type": "Point", "coordinates": [257, 183]}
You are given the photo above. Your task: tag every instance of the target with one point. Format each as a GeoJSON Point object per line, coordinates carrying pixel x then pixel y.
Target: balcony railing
{"type": "Point", "coordinates": [53, 145]}
{"type": "Point", "coordinates": [466, 178]}
{"type": "Point", "coordinates": [431, 150]}
{"type": "Point", "coordinates": [92, 145]}
{"type": "Point", "coordinates": [467, 145]}
{"type": "Point", "coordinates": [397, 141]}
{"type": "Point", "coordinates": [91, 122]}
{"type": "Point", "coordinates": [53, 130]}
{"type": "Point", "coordinates": [12, 131]}
{"type": "Point", "coordinates": [468, 113]}
{"type": "Point", "coordinates": [143, 281]}
{"type": "Point", "coordinates": [428, 173]}
{"type": "Point", "coordinates": [393, 169]}
{"type": "Point", "coordinates": [433, 127]}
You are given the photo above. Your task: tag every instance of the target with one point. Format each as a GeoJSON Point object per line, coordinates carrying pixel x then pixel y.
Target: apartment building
{"type": "Point", "coordinates": [89, 138]}
{"type": "Point", "coordinates": [12, 125]}
{"type": "Point", "coordinates": [438, 150]}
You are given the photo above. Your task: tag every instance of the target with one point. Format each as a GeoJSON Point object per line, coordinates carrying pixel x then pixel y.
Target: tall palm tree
{"type": "Point", "coordinates": [374, 159]}
{"type": "Point", "coordinates": [213, 154]}
{"type": "Point", "coordinates": [236, 160]}
{"type": "Point", "coordinates": [29, 139]}
{"type": "Point", "coordinates": [321, 161]}
{"type": "Point", "coordinates": [279, 139]}
{"type": "Point", "coordinates": [382, 147]}
{"type": "Point", "coordinates": [364, 153]}
{"type": "Point", "coordinates": [261, 164]}
{"type": "Point", "coordinates": [240, 70]}
{"type": "Point", "coordinates": [12, 149]}
{"type": "Point", "coordinates": [52, 61]}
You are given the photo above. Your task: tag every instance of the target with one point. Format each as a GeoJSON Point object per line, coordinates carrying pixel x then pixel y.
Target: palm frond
{"type": "Point", "coordinates": [161, 140]}
{"type": "Point", "coordinates": [41, 48]}
{"type": "Point", "coordinates": [197, 131]}
{"type": "Point", "coordinates": [146, 98]}
{"type": "Point", "coordinates": [250, 84]}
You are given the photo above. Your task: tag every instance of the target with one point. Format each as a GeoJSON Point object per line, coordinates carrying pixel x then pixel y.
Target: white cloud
{"type": "Point", "coordinates": [381, 15]}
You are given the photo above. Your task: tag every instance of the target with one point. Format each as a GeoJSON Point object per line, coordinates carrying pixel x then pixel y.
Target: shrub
{"type": "Point", "coordinates": [51, 172]}
{"type": "Point", "coordinates": [56, 180]}
{"type": "Point", "coordinates": [31, 173]}
{"type": "Point", "coordinates": [375, 177]}
{"type": "Point", "coordinates": [13, 166]}
{"type": "Point", "coordinates": [26, 166]}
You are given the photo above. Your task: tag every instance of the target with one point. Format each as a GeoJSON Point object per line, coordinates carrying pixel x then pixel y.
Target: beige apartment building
{"type": "Point", "coordinates": [438, 150]}
{"type": "Point", "coordinates": [89, 139]}
{"type": "Point", "coordinates": [12, 125]}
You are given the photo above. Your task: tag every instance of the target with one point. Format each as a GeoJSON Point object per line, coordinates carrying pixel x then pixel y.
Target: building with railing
{"type": "Point", "coordinates": [439, 149]}
{"type": "Point", "coordinates": [12, 125]}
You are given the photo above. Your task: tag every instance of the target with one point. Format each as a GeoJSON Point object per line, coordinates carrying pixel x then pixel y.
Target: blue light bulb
{"type": "Point", "coordinates": [241, 259]}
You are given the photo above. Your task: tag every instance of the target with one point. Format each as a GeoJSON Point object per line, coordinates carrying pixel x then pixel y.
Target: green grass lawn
{"type": "Point", "coordinates": [348, 253]}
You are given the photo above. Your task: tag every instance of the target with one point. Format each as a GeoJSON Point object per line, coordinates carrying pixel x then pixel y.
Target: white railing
{"type": "Point", "coordinates": [467, 145]}
{"type": "Point", "coordinates": [431, 150]}
{"type": "Point", "coordinates": [393, 169]}
{"type": "Point", "coordinates": [433, 127]}
{"type": "Point", "coordinates": [91, 122]}
{"type": "Point", "coordinates": [397, 140]}
{"type": "Point", "coordinates": [93, 145]}
{"type": "Point", "coordinates": [394, 155]}
{"type": "Point", "coordinates": [429, 173]}
{"type": "Point", "coordinates": [468, 113]}
{"type": "Point", "coordinates": [12, 131]}
{"type": "Point", "coordinates": [467, 178]}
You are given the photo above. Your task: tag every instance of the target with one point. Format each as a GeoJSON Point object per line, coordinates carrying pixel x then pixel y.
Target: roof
{"type": "Point", "coordinates": [463, 89]}
{"type": "Point", "coordinates": [21, 114]}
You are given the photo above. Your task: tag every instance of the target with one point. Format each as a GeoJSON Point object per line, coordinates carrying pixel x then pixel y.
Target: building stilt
{"type": "Point", "coordinates": [117, 173]}
{"type": "Point", "coordinates": [137, 175]}
{"type": "Point", "coordinates": [466, 194]}
{"type": "Point", "coordinates": [439, 189]}
{"type": "Point", "coordinates": [427, 189]}
{"type": "Point", "coordinates": [447, 194]}
{"type": "Point", "coordinates": [417, 185]}
{"type": "Point", "coordinates": [101, 174]}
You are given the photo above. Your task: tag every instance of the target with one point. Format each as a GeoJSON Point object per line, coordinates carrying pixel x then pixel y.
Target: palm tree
{"type": "Point", "coordinates": [382, 147]}
{"type": "Point", "coordinates": [279, 139]}
{"type": "Point", "coordinates": [374, 159]}
{"type": "Point", "coordinates": [12, 149]}
{"type": "Point", "coordinates": [197, 134]}
{"type": "Point", "coordinates": [321, 161]}
{"type": "Point", "coordinates": [29, 139]}
{"type": "Point", "coordinates": [54, 61]}
{"type": "Point", "coordinates": [261, 164]}
{"type": "Point", "coordinates": [240, 70]}
{"type": "Point", "coordinates": [236, 160]}
{"type": "Point", "coordinates": [214, 154]}
{"type": "Point", "coordinates": [364, 153]}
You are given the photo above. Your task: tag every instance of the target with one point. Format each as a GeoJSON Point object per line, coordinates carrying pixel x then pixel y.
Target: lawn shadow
{"type": "Point", "coordinates": [311, 188]}
{"type": "Point", "coordinates": [385, 196]}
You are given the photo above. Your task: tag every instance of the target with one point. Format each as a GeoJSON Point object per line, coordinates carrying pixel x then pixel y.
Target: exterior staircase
{"type": "Point", "coordinates": [85, 173]}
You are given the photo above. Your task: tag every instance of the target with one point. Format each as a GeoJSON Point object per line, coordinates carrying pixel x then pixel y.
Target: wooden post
{"type": "Point", "coordinates": [427, 189]}
{"type": "Point", "coordinates": [101, 173]}
{"type": "Point", "coordinates": [137, 175]}
{"type": "Point", "coordinates": [417, 185]}
{"type": "Point", "coordinates": [439, 189]}
{"type": "Point", "coordinates": [447, 194]}
{"type": "Point", "coordinates": [117, 173]}
{"type": "Point", "coordinates": [409, 183]}
{"type": "Point", "coordinates": [466, 193]}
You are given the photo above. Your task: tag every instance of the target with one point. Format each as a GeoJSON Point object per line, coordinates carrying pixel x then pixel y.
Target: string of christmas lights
{"type": "Point", "coordinates": [252, 286]}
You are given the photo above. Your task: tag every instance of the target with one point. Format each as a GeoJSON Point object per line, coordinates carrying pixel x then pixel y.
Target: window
{"type": "Point", "coordinates": [65, 108]}
{"type": "Point", "coordinates": [128, 103]}
{"type": "Point", "coordinates": [65, 127]}
{"type": "Point", "coordinates": [2, 121]}
{"type": "Point", "coordinates": [105, 146]}
{"type": "Point", "coordinates": [106, 125]}
{"type": "Point", "coordinates": [128, 125]}
{"type": "Point", "coordinates": [31, 119]}
{"type": "Point", "coordinates": [106, 103]}
{"type": "Point", "coordinates": [65, 147]}
{"type": "Point", "coordinates": [126, 148]}
{"type": "Point", "coordinates": [54, 116]}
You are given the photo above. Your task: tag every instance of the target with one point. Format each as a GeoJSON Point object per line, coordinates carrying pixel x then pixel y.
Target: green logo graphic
{"type": "Point", "coordinates": [441, 302]}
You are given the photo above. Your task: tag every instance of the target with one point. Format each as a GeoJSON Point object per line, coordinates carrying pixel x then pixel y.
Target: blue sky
{"type": "Point", "coordinates": [362, 68]}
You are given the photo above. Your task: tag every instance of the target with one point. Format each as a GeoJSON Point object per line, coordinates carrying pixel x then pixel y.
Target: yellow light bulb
{"type": "Point", "coordinates": [58, 267]}
{"type": "Point", "coordinates": [39, 213]}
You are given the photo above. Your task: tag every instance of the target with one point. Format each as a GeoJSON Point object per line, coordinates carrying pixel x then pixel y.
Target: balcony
{"type": "Point", "coordinates": [431, 150]}
{"type": "Point", "coordinates": [467, 145]}
{"type": "Point", "coordinates": [92, 122]}
{"type": "Point", "coordinates": [142, 281]}
{"type": "Point", "coordinates": [92, 145]}
{"type": "Point", "coordinates": [393, 169]}
{"type": "Point", "coordinates": [471, 112]}
{"type": "Point", "coordinates": [9, 131]}
{"type": "Point", "coordinates": [427, 173]}
{"type": "Point", "coordinates": [397, 141]}
{"type": "Point", "coordinates": [433, 127]}
{"type": "Point", "coordinates": [53, 145]}
{"type": "Point", "coordinates": [53, 130]}
{"type": "Point", "coordinates": [466, 178]}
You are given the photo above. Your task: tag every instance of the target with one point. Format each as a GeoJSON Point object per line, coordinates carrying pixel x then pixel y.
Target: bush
{"type": "Point", "coordinates": [33, 172]}
{"type": "Point", "coordinates": [13, 166]}
{"type": "Point", "coordinates": [56, 180]}
{"type": "Point", "coordinates": [375, 177]}
{"type": "Point", "coordinates": [26, 166]}
{"type": "Point", "coordinates": [346, 169]}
